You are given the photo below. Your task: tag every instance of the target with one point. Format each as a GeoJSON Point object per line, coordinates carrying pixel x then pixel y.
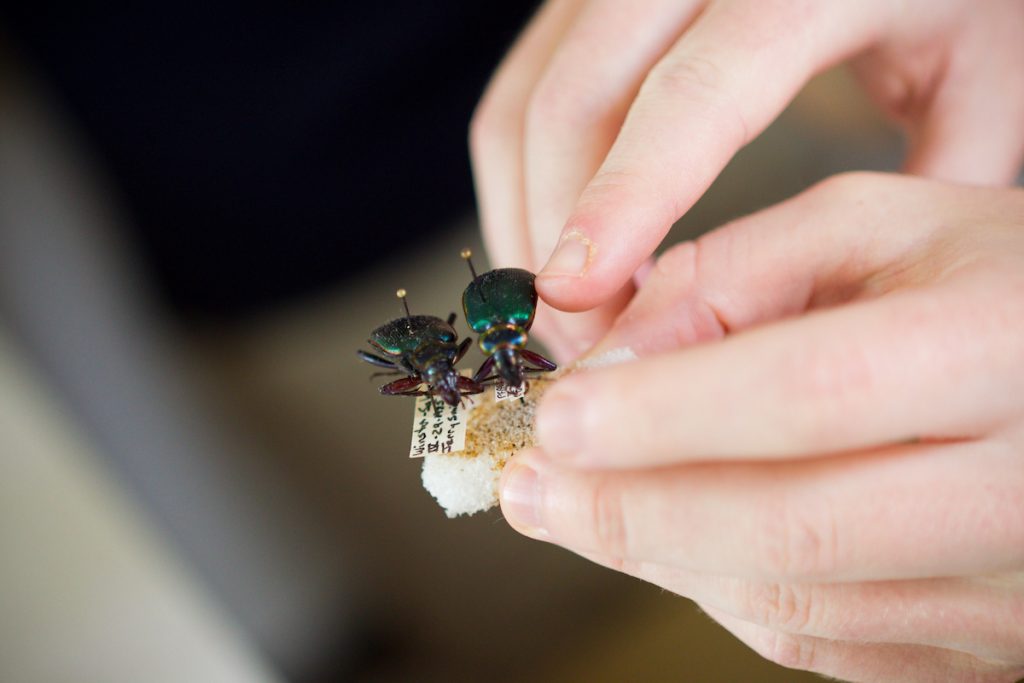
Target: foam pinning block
{"type": "Point", "coordinates": [466, 482]}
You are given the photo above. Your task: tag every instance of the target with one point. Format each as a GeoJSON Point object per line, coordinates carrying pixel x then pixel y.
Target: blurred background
{"type": "Point", "coordinates": [203, 212]}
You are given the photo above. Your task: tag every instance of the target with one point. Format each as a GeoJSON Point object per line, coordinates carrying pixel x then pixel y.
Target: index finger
{"type": "Point", "coordinates": [718, 87]}
{"type": "Point", "coordinates": [922, 360]}
{"type": "Point", "coordinates": [496, 135]}
{"type": "Point", "coordinates": [935, 362]}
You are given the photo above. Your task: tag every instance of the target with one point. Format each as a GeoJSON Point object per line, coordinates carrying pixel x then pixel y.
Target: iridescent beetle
{"type": "Point", "coordinates": [424, 348]}
{"type": "Point", "coordinates": [499, 306]}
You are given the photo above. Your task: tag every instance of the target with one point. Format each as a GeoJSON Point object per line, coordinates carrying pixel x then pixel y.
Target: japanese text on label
{"type": "Point", "coordinates": [437, 427]}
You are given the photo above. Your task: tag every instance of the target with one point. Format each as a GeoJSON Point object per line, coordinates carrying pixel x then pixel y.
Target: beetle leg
{"type": "Point", "coordinates": [385, 374]}
{"type": "Point", "coordinates": [468, 386]}
{"type": "Point", "coordinates": [463, 347]}
{"type": "Point", "coordinates": [542, 363]}
{"type": "Point", "coordinates": [484, 370]}
{"type": "Point", "coordinates": [451, 318]}
{"type": "Point", "coordinates": [400, 387]}
{"type": "Point", "coordinates": [373, 359]}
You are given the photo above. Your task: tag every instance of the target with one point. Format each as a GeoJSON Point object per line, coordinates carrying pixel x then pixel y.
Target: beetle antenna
{"type": "Point", "coordinates": [468, 256]}
{"type": "Point", "coordinates": [401, 295]}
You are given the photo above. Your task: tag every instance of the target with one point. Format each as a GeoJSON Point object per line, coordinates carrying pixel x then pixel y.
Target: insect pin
{"type": "Point", "coordinates": [500, 306]}
{"type": "Point", "coordinates": [425, 349]}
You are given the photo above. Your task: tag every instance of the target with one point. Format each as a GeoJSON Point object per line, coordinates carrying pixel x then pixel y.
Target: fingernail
{"type": "Point", "coordinates": [521, 499]}
{"type": "Point", "coordinates": [572, 256]}
{"type": "Point", "coordinates": [560, 424]}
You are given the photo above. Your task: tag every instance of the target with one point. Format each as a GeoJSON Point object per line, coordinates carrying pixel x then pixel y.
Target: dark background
{"type": "Point", "coordinates": [267, 150]}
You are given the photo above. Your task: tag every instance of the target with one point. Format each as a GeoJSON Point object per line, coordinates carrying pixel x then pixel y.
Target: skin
{"type": "Point", "coordinates": [607, 120]}
{"type": "Point", "coordinates": [823, 440]}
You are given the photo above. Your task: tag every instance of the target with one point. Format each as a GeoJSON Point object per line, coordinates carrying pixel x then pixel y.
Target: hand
{"type": "Point", "coordinates": [609, 119]}
{"type": "Point", "coordinates": [823, 440]}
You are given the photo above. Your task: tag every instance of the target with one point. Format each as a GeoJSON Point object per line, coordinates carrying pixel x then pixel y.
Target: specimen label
{"type": "Point", "coordinates": [503, 391]}
{"type": "Point", "coordinates": [437, 427]}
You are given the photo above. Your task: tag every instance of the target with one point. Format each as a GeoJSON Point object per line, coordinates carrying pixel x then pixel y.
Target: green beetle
{"type": "Point", "coordinates": [500, 306]}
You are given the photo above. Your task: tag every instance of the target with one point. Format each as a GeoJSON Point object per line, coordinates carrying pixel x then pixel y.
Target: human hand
{"type": "Point", "coordinates": [609, 119]}
{"type": "Point", "coordinates": [823, 441]}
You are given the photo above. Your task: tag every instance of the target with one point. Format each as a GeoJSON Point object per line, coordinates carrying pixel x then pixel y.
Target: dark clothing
{"type": "Point", "coordinates": [266, 151]}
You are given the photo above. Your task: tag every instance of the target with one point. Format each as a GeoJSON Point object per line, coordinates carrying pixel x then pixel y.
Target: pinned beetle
{"type": "Point", "coordinates": [425, 349]}
{"type": "Point", "coordinates": [500, 306]}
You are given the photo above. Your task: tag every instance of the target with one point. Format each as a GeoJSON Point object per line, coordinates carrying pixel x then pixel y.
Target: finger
{"type": "Point", "coordinates": [969, 131]}
{"type": "Point", "coordinates": [547, 329]}
{"type": "Point", "coordinates": [913, 512]}
{"type": "Point", "coordinates": [579, 103]}
{"type": "Point", "coordinates": [863, 661]}
{"type": "Point", "coordinates": [829, 244]}
{"type": "Point", "coordinates": [569, 335]}
{"type": "Point", "coordinates": [718, 87]}
{"type": "Point", "coordinates": [971, 137]}
{"type": "Point", "coordinates": [843, 378]}
{"type": "Point", "coordinates": [643, 272]}
{"type": "Point", "coordinates": [978, 616]}
{"type": "Point", "coordinates": [496, 135]}
{"type": "Point", "coordinates": [575, 111]}
{"type": "Point", "coordinates": [928, 363]}
{"type": "Point", "coordinates": [496, 147]}
{"type": "Point", "coordinates": [573, 334]}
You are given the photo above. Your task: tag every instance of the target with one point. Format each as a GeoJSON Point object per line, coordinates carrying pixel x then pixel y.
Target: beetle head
{"type": "Point", "coordinates": [442, 378]}
{"type": "Point", "coordinates": [506, 360]}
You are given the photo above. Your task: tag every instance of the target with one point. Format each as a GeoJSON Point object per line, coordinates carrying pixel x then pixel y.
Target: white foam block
{"type": "Point", "coordinates": [463, 486]}
{"type": "Point", "coordinates": [466, 483]}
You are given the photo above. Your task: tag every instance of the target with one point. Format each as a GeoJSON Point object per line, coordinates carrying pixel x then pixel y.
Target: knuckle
{"type": "Point", "coordinates": [825, 377]}
{"type": "Point", "coordinates": [608, 519]}
{"type": "Point", "coordinates": [782, 605]}
{"type": "Point", "coordinates": [797, 542]}
{"type": "Point", "coordinates": [678, 263]}
{"type": "Point", "coordinates": [820, 384]}
{"type": "Point", "coordinates": [701, 82]}
{"type": "Point", "coordinates": [556, 102]}
{"type": "Point", "coordinates": [684, 275]}
{"type": "Point", "coordinates": [493, 123]}
{"type": "Point", "coordinates": [687, 75]}
{"type": "Point", "coordinates": [613, 187]}
{"type": "Point", "coordinates": [847, 185]}
{"type": "Point", "coordinates": [791, 652]}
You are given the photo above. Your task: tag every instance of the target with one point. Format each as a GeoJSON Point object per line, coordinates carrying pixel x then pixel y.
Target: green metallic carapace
{"type": "Point", "coordinates": [505, 296]}
{"type": "Point", "coordinates": [499, 306]}
{"type": "Point", "coordinates": [405, 335]}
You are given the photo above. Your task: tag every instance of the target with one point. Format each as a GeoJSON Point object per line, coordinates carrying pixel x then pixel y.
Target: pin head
{"type": "Point", "coordinates": [467, 254]}
{"type": "Point", "coordinates": [405, 304]}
